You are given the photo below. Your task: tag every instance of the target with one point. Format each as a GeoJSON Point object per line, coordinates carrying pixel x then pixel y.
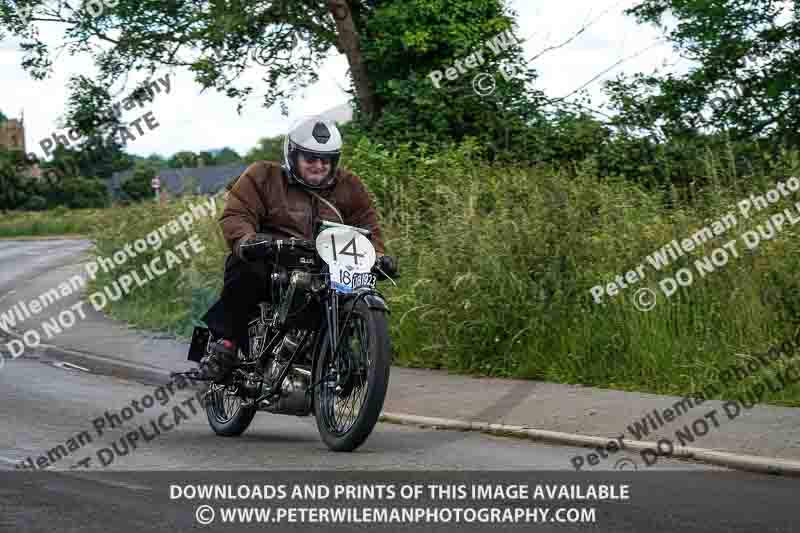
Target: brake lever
{"type": "Point", "coordinates": [385, 275]}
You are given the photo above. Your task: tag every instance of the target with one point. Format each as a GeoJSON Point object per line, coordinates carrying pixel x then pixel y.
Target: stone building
{"type": "Point", "coordinates": [12, 134]}
{"type": "Point", "coordinates": [12, 137]}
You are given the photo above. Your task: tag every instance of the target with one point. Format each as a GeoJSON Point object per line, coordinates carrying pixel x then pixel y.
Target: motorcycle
{"type": "Point", "coordinates": [322, 346]}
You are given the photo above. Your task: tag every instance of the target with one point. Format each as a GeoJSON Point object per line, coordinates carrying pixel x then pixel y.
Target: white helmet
{"type": "Point", "coordinates": [314, 137]}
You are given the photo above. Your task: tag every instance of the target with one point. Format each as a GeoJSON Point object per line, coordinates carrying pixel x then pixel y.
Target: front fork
{"type": "Point", "coordinates": [331, 337]}
{"type": "Point", "coordinates": [333, 320]}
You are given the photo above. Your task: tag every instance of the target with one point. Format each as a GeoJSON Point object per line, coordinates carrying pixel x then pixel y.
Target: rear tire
{"type": "Point", "coordinates": [354, 376]}
{"type": "Point", "coordinates": [226, 416]}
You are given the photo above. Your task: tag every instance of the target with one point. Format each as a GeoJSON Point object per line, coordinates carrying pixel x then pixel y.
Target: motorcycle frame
{"type": "Point", "coordinates": [327, 334]}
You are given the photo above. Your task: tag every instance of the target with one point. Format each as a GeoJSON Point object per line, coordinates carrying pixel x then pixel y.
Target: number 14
{"type": "Point", "coordinates": [343, 251]}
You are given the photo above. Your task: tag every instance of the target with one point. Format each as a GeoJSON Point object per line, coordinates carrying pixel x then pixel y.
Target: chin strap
{"type": "Point", "coordinates": [333, 207]}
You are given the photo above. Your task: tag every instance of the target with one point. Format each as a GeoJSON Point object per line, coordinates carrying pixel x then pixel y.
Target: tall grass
{"type": "Point", "coordinates": [175, 301]}
{"type": "Point", "coordinates": [60, 221]}
{"type": "Point", "coordinates": [498, 264]}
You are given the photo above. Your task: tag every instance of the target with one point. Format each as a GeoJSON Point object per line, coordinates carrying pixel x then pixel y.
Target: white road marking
{"type": "Point", "coordinates": [18, 461]}
{"type": "Point", "coordinates": [68, 366]}
{"type": "Point", "coordinates": [6, 295]}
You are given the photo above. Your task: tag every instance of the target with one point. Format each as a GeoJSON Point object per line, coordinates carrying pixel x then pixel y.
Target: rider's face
{"type": "Point", "coordinates": [314, 171]}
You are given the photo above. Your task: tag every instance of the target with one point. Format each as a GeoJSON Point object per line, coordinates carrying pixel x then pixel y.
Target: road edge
{"type": "Point", "coordinates": [151, 375]}
{"type": "Point", "coordinates": [749, 463]}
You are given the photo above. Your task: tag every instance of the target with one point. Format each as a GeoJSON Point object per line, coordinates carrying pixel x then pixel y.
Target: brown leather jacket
{"type": "Point", "coordinates": [264, 200]}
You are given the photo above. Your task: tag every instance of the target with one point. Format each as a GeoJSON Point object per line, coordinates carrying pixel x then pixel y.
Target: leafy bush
{"type": "Point", "coordinates": [35, 203]}
{"type": "Point", "coordinates": [137, 186]}
{"type": "Point", "coordinates": [83, 193]}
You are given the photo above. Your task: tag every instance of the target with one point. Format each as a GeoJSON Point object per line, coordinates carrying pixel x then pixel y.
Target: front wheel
{"type": "Point", "coordinates": [352, 386]}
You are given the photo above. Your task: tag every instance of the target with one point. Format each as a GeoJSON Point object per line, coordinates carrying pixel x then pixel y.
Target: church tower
{"type": "Point", "coordinates": [12, 134]}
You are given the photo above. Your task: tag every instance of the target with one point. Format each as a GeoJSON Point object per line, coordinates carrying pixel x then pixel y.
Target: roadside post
{"type": "Point", "coordinates": [156, 184]}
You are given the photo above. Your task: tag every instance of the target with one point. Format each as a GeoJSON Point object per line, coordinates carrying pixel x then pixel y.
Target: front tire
{"type": "Point", "coordinates": [359, 375]}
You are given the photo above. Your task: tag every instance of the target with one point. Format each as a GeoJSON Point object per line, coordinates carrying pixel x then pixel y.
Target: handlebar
{"type": "Point", "coordinates": [311, 246]}
{"type": "Point", "coordinates": [293, 243]}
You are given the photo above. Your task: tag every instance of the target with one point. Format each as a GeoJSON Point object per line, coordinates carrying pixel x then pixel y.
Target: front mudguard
{"type": "Point", "coordinates": [373, 298]}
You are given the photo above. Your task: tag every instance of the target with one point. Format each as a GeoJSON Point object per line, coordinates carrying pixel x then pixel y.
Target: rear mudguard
{"type": "Point", "coordinates": [198, 344]}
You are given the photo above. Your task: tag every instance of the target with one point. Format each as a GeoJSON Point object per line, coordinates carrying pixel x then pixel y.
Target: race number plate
{"type": "Point", "coordinates": [350, 256]}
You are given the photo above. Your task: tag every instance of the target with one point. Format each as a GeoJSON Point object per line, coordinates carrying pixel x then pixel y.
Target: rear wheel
{"type": "Point", "coordinates": [352, 385]}
{"type": "Point", "coordinates": [226, 415]}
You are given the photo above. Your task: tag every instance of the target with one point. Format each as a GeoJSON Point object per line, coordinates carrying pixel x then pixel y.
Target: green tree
{"type": "Point", "coordinates": [90, 113]}
{"type": "Point", "coordinates": [158, 160]}
{"type": "Point", "coordinates": [65, 163]}
{"type": "Point", "coordinates": [414, 48]}
{"type": "Point", "coordinates": [14, 189]}
{"type": "Point", "coordinates": [3, 118]}
{"type": "Point", "coordinates": [65, 183]}
{"type": "Point", "coordinates": [227, 156]}
{"type": "Point", "coordinates": [185, 159]}
{"type": "Point", "coordinates": [744, 75]}
{"type": "Point", "coordinates": [267, 149]}
{"type": "Point", "coordinates": [205, 159]}
{"type": "Point", "coordinates": [218, 42]}
{"type": "Point", "coordinates": [82, 193]}
{"type": "Point", "coordinates": [137, 186]}
{"type": "Point", "coordinates": [391, 47]}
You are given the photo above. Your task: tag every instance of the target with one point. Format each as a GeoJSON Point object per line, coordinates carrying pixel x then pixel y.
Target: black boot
{"type": "Point", "coordinates": [219, 361]}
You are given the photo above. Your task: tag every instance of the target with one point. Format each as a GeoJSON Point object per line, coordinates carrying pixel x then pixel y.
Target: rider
{"type": "Point", "coordinates": [271, 201]}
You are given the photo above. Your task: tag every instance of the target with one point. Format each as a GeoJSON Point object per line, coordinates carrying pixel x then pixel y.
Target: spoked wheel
{"type": "Point", "coordinates": [352, 385]}
{"type": "Point", "coordinates": [226, 416]}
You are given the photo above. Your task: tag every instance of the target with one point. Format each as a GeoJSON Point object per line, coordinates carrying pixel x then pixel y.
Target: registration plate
{"type": "Point", "coordinates": [345, 281]}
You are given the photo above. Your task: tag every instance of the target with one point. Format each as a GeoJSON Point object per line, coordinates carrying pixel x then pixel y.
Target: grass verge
{"type": "Point", "coordinates": [498, 266]}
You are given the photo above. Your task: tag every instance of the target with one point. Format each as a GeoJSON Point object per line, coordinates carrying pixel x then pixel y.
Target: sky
{"type": "Point", "coordinates": [190, 120]}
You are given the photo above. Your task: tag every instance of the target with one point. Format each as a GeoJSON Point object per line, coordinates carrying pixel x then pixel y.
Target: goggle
{"type": "Point", "coordinates": [324, 159]}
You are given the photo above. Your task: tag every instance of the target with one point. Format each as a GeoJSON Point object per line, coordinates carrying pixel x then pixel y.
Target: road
{"type": "Point", "coordinates": [44, 405]}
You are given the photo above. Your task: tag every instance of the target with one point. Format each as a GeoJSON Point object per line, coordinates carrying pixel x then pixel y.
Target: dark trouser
{"type": "Point", "coordinates": [244, 285]}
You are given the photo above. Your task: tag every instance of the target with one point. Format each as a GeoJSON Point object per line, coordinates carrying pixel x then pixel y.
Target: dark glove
{"type": "Point", "coordinates": [259, 246]}
{"type": "Point", "coordinates": [387, 264]}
